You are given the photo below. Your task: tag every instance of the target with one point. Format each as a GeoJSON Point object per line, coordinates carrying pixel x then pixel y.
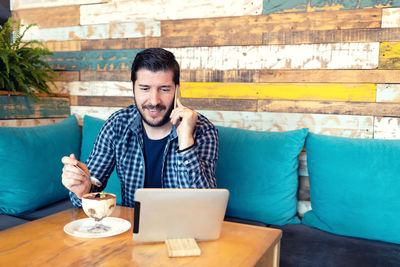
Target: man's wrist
{"type": "Point", "coordinates": [186, 149]}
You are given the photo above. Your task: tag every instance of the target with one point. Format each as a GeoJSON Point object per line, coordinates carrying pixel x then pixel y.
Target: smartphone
{"type": "Point", "coordinates": [177, 95]}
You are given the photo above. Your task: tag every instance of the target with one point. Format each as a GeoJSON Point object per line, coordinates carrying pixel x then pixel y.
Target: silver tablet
{"type": "Point", "coordinates": [162, 214]}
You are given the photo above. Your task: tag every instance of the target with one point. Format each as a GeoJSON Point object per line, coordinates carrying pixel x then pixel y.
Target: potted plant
{"type": "Point", "coordinates": [22, 65]}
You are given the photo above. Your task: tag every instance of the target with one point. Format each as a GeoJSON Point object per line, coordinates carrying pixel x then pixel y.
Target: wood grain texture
{"type": "Point", "coordinates": [28, 122]}
{"type": "Point", "coordinates": [134, 29]}
{"type": "Point", "coordinates": [329, 76]}
{"type": "Point", "coordinates": [388, 93]}
{"type": "Point", "coordinates": [43, 242]}
{"type": "Point", "coordinates": [60, 46]}
{"type": "Point", "coordinates": [100, 60]}
{"type": "Point", "coordinates": [336, 125]}
{"type": "Point", "coordinates": [322, 5]}
{"type": "Point", "coordinates": [162, 10]}
{"type": "Point", "coordinates": [102, 101]}
{"type": "Point", "coordinates": [307, 56]}
{"type": "Point", "coordinates": [256, 25]}
{"type": "Point", "coordinates": [342, 108]}
{"type": "Point", "coordinates": [387, 128]}
{"type": "Point", "coordinates": [97, 112]}
{"type": "Point", "coordinates": [331, 36]}
{"type": "Point", "coordinates": [60, 17]}
{"type": "Point", "coordinates": [312, 91]}
{"type": "Point", "coordinates": [25, 4]}
{"type": "Point", "coordinates": [67, 76]}
{"type": "Point", "coordinates": [99, 88]}
{"type": "Point", "coordinates": [389, 55]}
{"type": "Point", "coordinates": [20, 107]}
{"type": "Point", "coordinates": [390, 17]}
{"type": "Point", "coordinates": [117, 75]}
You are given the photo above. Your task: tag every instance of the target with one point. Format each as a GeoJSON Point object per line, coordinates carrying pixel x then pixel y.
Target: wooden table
{"type": "Point", "coordinates": [44, 243]}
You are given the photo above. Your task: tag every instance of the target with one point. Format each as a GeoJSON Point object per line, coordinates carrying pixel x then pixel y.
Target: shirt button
{"type": "Point", "coordinates": [141, 166]}
{"type": "Point", "coordinates": [186, 162]}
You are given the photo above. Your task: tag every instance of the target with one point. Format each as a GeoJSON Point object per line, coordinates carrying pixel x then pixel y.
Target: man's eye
{"type": "Point", "coordinates": [144, 88]}
{"type": "Point", "coordinates": [165, 89]}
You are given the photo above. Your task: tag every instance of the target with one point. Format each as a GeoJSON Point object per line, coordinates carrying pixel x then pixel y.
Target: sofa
{"type": "Point", "coordinates": [354, 187]}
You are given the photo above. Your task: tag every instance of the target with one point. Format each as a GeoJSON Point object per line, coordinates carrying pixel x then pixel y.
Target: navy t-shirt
{"type": "Point", "coordinates": [153, 156]}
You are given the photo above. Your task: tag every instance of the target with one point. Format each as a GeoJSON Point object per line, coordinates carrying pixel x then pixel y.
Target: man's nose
{"type": "Point", "coordinates": [154, 97]}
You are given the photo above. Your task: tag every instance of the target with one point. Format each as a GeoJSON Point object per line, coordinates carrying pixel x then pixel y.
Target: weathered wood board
{"type": "Point", "coordinates": [47, 17]}
{"type": "Point", "coordinates": [163, 10]}
{"type": "Point", "coordinates": [99, 60]}
{"type": "Point", "coordinates": [96, 88]}
{"type": "Point", "coordinates": [389, 55]}
{"type": "Point", "coordinates": [28, 122]}
{"type": "Point", "coordinates": [390, 17]}
{"type": "Point", "coordinates": [115, 75]}
{"type": "Point", "coordinates": [25, 4]}
{"type": "Point", "coordinates": [387, 128]}
{"type": "Point", "coordinates": [134, 29]}
{"type": "Point", "coordinates": [329, 76]}
{"type": "Point", "coordinates": [308, 56]}
{"type": "Point", "coordinates": [337, 125]}
{"type": "Point", "coordinates": [334, 20]}
{"type": "Point", "coordinates": [313, 91]}
{"type": "Point", "coordinates": [323, 5]}
{"type": "Point", "coordinates": [98, 112]}
{"type": "Point", "coordinates": [331, 36]}
{"type": "Point", "coordinates": [388, 93]}
{"type": "Point", "coordinates": [317, 107]}
{"type": "Point", "coordinates": [20, 107]}
{"type": "Point", "coordinates": [60, 46]}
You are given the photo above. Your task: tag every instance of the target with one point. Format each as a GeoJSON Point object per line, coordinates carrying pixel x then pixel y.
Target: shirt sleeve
{"type": "Point", "coordinates": [101, 161]}
{"type": "Point", "coordinates": [201, 161]}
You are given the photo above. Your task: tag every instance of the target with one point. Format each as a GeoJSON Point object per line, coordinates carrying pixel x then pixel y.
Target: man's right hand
{"type": "Point", "coordinates": [73, 179]}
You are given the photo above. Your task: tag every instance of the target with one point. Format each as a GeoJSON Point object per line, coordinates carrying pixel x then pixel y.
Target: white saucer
{"type": "Point", "coordinates": [79, 228]}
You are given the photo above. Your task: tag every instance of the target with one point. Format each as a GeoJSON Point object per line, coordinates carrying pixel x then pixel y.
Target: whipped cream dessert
{"type": "Point", "coordinates": [98, 205]}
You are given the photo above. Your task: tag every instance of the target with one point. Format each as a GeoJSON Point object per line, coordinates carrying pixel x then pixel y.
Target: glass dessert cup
{"type": "Point", "coordinates": [98, 206]}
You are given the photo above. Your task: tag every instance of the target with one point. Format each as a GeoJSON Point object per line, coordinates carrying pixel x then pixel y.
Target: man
{"type": "Point", "coordinates": [151, 143]}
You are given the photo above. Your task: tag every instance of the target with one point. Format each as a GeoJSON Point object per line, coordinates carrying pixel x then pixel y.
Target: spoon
{"type": "Point", "coordinates": [92, 179]}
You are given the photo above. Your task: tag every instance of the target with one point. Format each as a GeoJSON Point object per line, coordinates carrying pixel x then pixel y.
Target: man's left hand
{"type": "Point", "coordinates": [185, 119]}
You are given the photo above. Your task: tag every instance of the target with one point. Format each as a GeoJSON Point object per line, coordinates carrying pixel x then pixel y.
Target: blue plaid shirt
{"type": "Point", "coordinates": [120, 144]}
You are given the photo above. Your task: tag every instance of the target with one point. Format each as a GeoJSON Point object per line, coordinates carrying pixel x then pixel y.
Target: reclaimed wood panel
{"type": "Point", "coordinates": [308, 56]}
{"type": "Point", "coordinates": [331, 36]}
{"type": "Point", "coordinates": [303, 169]}
{"type": "Point", "coordinates": [67, 76]}
{"type": "Point", "coordinates": [25, 4]}
{"type": "Point", "coordinates": [313, 91]}
{"type": "Point", "coordinates": [257, 25]}
{"type": "Point", "coordinates": [117, 75]}
{"type": "Point", "coordinates": [163, 10]}
{"type": "Point", "coordinates": [329, 76]}
{"type": "Point", "coordinates": [28, 122]}
{"type": "Point", "coordinates": [134, 29]}
{"type": "Point", "coordinates": [102, 101]}
{"type": "Point", "coordinates": [59, 46]}
{"type": "Point", "coordinates": [388, 93]}
{"type": "Point", "coordinates": [47, 17]}
{"type": "Point", "coordinates": [343, 108]}
{"type": "Point", "coordinates": [389, 55]}
{"type": "Point", "coordinates": [336, 125]}
{"type": "Point", "coordinates": [387, 128]}
{"type": "Point", "coordinates": [323, 5]}
{"type": "Point", "coordinates": [96, 88]}
{"type": "Point", "coordinates": [21, 107]}
{"type": "Point", "coordinates": [390, 17]}
{"type": "Point", "coordinates": [209, 75]}
{"type": "Point", "coordinates": [100, 60]}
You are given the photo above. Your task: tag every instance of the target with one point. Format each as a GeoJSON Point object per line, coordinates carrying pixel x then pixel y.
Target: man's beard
{"type": "Point", "coordinates": [164, 119]}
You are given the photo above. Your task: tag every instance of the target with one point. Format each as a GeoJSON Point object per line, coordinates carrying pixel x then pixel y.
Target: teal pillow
{"type": "Point", "coordinates": [354, 186]}
{"type": "Point", "coordinates": [90, 130]}
{"type": "Point", "coordinates": [260, 171]}
{"type": "Point", "coordinates": [30, 164]}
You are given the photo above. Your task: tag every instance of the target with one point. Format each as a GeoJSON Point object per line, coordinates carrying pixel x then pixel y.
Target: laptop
{"type": "Point", "coordinates": [162, 214]}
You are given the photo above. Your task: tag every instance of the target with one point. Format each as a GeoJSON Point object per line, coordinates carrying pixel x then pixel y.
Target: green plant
{"type": "Point", "coordinates": [22, 68]}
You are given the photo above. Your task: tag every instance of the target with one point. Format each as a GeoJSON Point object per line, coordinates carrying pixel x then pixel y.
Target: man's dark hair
{"type": "Point", "coordinates": [155, 59]}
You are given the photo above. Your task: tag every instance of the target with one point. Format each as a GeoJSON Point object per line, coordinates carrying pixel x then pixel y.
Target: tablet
{"type": "Point", "coordinates": [162, 214]}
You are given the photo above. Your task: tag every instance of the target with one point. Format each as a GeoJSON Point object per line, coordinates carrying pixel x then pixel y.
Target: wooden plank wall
{"type": "Point", "coordinates": [331, 66]}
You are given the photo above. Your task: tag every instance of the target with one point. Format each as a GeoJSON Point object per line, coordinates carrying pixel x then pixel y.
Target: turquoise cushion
{"type": "Point", "coordinates": [90, 130]}
{"type": "Point", "coordinates": [30, 164]}
{"type": "Point", "coordinates": [260, 171]}
{"type": "Point", "coordinates": [354, 186]}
